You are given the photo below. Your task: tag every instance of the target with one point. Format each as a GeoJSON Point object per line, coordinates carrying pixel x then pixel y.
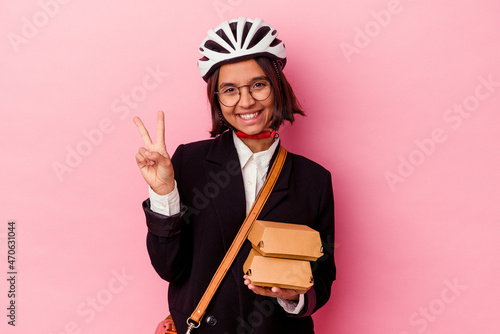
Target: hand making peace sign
{"type": "Point", "coordinates": [153, 160]}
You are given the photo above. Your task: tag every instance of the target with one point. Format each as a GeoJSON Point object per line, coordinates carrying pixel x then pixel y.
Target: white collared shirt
{"type": "Point", "coordinates": [254, 168]}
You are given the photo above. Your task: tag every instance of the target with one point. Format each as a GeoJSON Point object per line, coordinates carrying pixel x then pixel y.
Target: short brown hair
{"type": "Point", "coordinates": [285, 102]}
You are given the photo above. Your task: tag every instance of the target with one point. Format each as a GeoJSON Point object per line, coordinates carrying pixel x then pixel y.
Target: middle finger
{"type": "Point", "coordinates": [160, 127]}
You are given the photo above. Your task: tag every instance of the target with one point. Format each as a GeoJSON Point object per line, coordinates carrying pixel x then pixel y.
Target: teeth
{"type": "Point", "coordinates": [249, 116]}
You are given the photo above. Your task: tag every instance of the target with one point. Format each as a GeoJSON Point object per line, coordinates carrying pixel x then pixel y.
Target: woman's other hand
{"type": "Point", "coordinates": [287, 294]}
{"type": "Point", "coordinates": [153, 160]}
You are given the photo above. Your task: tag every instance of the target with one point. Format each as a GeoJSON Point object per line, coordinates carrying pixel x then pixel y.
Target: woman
{"type": "Point", "coordinates": [200, 197]}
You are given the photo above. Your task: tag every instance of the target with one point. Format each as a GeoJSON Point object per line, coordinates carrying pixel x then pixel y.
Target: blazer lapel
{"type": "Point", "coordinates": [223, 174]}
{"type": "Point", "coordinates": [280, 189]}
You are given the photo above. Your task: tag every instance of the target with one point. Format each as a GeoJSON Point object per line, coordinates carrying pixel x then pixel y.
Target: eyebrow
{"type": "Point", "coordinates": [226, 84]}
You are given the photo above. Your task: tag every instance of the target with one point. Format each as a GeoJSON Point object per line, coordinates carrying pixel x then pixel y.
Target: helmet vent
{"type": "Point", "coordinates": [246, 29]}
{"type": "Point", "coordinates": [214, 46]}
{"type": "Point", "coordinates": [275, 42]}
{"type": "Point", "coordinates": [258, 36]}
{"type": "Point", "coordinates": [226, 39]}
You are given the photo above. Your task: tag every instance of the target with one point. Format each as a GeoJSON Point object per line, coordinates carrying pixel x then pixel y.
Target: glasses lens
{"type": "Point", "coordinates": [230, 95]}
{"type": "Point", "coordinates": [260, 89]}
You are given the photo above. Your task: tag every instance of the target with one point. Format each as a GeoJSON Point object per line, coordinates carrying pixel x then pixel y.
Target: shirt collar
{"type": "Point", "coordinates": [244, 153]}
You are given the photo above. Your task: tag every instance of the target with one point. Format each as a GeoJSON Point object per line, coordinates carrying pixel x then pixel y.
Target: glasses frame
{"type": "Point", "coordinates": [249, 91]}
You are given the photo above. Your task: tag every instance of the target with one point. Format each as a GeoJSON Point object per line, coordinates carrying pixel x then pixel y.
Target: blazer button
{"type": "Point", "coordinates": [211, 320]}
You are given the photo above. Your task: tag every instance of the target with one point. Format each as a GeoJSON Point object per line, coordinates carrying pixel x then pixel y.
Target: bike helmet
{"type": "Point", "coordinates": [238, 40]}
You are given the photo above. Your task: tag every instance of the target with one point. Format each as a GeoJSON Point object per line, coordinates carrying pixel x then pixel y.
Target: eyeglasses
{"type": "Point", "coordinates": [230, 95]}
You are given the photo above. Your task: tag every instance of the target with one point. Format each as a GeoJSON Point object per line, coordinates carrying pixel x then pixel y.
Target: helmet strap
{"type": "Point", "coordinates": [226, 123]}
{"type": "Point", "coordinates": [275, 63]}
{"type": "Point", "coordinates": [262, 135]}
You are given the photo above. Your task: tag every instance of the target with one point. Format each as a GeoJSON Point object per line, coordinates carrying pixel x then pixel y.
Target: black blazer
{"type": "Point", "coordinates": [186, 249]}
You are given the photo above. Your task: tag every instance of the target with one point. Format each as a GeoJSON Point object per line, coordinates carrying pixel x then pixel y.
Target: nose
{"type": "Point", "coordinates": [246, 99]}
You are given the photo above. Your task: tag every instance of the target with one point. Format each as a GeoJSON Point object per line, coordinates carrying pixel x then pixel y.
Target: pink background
{"type": "Point", "coordinates": [399, 108]}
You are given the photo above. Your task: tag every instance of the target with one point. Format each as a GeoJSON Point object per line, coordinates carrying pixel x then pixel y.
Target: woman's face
{"type": "Point", "coordinates": [248, 115]}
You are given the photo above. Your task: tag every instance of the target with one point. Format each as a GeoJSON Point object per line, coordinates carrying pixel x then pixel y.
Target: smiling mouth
{"type": "Point", "coordinates": [250, 116]}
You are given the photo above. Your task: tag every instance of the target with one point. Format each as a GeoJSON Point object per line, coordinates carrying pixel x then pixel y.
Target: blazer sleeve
{"type": "Point", "coordinates": [324, 271]}
{"type": "Point", "coordinates": [168, 239]}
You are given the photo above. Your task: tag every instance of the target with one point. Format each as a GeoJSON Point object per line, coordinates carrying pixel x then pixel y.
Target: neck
{"type": "Point", "coordinates": [258, 145]}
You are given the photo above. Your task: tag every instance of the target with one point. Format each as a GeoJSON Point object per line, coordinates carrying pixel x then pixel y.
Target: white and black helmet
{"type": "Point", "coordinates": [238, 40]}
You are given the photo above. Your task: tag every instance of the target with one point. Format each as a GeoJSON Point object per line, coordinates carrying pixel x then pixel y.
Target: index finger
{"type": "Point", "coordinates": [143, 131]}
{"type": "Point", "coordinates": [160, 127]}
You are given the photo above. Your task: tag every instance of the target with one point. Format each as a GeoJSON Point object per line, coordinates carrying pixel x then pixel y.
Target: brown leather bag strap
{"type": "Point", "coordinates": [199, 312]}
